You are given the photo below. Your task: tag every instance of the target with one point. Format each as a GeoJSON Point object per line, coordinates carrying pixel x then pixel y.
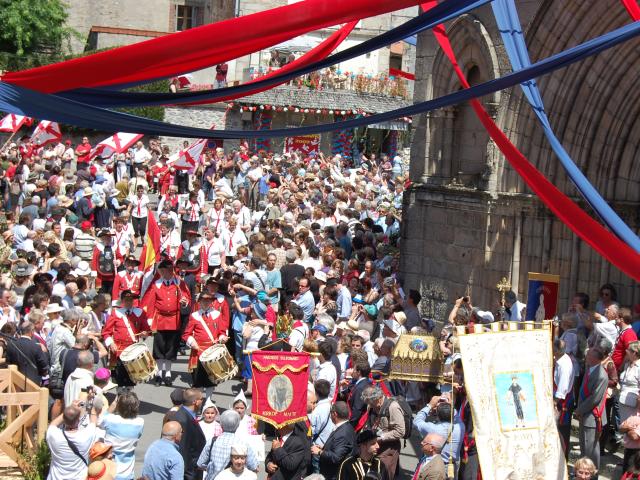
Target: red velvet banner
{"type": "Point", "coordinates": [279, 386]}
{"type": "Point", "coordinates": [199, 47]}
{"type": "Point", "coordinates": [319, 52]}
{"type": "Point", "coordinates": [592, 232]}
{"type": "Point", "coordinates": [633, 8]}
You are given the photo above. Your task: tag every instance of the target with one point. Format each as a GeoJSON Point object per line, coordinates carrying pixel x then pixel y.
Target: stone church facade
{"type": "Point", "coordinates": [469, 220]}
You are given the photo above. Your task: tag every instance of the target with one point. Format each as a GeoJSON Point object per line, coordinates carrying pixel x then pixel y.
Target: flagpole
{"type": "Point", "coordinates": [9, 141]}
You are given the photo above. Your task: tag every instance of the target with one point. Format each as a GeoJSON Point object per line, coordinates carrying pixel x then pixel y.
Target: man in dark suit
{"type": "Point", "coordinates": [590, 411]}
{"type": "Point", "coordinates": [27, 354]}
{"type": "Point", "coordinates": [357, 407]}
{"type": "Point", "coordinates": [290, 455]}
{"type": "Point", "coordinates": [193, 439]}
{"type": "Point", "coordinates": [340, 444]}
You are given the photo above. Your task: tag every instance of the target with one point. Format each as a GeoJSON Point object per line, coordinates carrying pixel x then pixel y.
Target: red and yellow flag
{"type": "Point", "coordinates": [151, 249]}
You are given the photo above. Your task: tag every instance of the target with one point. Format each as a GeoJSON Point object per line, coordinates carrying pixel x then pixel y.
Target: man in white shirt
{"type": "Point", "coordinates": [326, 370]}
{"type": "Point", "coordinates": [563, 392]}
{"type": "Point", "coordinates": [141, 155]}
{"type": "Point", "coordinates": [605, 326]}
{"type": "Point", "coordinates": [80, 378]}
{"type": "Point", "coordinates": [65, 432]}
{"type": "Point", "coordinates": [514, 307]}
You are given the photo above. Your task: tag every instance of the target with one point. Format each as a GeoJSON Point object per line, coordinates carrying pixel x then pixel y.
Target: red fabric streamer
{"type": "Point", "coordinates": [633, 8]}
{"type": "Point", "coordinates": [394, 72]}
{"type": "Point", "coordinates": [601, 240]}
{"type": "Point", "coordinates": [199, 47]}
{"type": "Point", "coordinates": [319, 52]}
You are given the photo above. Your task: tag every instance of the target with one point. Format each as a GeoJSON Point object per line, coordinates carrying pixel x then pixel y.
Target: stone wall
{"type": "Point", "coordinates": [469, 218]}
{"type": "Point", "coordinates": [201, 117]}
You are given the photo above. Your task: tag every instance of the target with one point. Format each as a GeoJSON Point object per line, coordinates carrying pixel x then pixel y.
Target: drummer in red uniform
{"type": "Point", "coordinates": [162, 301]}
{"type": "Point", "coordinates": [128, 279]}
{"type": "Point", "coordinates": [125, 326]}
{"type": "Point", "coordinates": [212, 286]}
{"type": "Point", "coordinates": [205, 328]}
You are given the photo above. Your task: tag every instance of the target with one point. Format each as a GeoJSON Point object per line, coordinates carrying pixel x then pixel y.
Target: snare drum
{"type": "Point", "coordinates": [218, 363]}
{"type": "Point", "coordinates": [139, 362]}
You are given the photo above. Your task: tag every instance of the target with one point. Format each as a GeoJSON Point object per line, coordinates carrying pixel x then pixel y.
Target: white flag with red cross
{"type": "Point", "coordinates": [188, 158]}
{"type": "Point", "coordinates": [116, 143]}
{"type": "Point", "coordinates": [12, 122]}
{"type": "Point", "coordinates": [46, 132]}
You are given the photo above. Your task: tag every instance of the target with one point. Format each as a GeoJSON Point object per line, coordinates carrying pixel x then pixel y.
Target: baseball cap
{"type": "Point", "coordinates": [86, 225]}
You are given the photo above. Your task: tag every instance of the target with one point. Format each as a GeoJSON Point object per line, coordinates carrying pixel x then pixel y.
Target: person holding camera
{"type": "Point", "coordinates": [80, 378]}
{"type": "Point", "coordinates": [437, 418]}
{"type": "Point", "coordinates": [69, 443]}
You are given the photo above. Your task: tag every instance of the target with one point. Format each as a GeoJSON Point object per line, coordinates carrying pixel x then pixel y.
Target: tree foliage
{"type": "Point", "coordinates": [33, 26]}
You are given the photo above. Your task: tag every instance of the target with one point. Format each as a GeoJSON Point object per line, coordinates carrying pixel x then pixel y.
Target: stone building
{"type": "Point", "coordinates": [469, 218]}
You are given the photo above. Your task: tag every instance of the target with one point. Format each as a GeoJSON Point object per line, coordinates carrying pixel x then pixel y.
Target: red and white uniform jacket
{"type": "Point", "coordinates": [204, 328]}
{"type": "Point", "coordinates": [219, 304]}
{"type": "Point", "coordinates": [122, 328]}
{"type": "Point", "coordinates": [126, 281]}
{"type": "Point", "coordinates": [197, 255]}
{"type": "Point", "coordinates": [162, 303]}
{"type": "Point", "coordinates": [98, 260]}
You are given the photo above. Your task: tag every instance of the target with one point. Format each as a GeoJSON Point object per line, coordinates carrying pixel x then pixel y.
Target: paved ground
{"type": "Point", "coordinates": [154, 402]}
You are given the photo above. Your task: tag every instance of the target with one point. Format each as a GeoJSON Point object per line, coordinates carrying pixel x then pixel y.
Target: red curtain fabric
{"type": "Point", "coordinates": [200, 47]}
{"type": "Point", "coordinates": [394, 72]}
{"type": "Point", "coordinates": [592, 232]}
{"type": "Point", "coordinates": [319, 52]}
{"type": "Point", "coordinates": [633, 8]}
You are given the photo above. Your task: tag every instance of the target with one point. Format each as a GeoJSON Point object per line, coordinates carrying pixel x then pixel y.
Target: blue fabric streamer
{"type": "Point", "coordinates": [22, 101]}
{"type": "Point", "coordinates": [511, 30]}
{"type": "Point", "coordinates": [109, 98]}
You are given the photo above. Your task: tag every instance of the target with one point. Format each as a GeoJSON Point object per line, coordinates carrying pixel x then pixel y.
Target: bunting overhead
{"type": "Point", "coordinates": [510, 28]}
{"type": "Point", "coordinates": [198, 48]}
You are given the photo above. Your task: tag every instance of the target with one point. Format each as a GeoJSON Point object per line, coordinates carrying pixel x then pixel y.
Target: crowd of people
{"type": "Point", "coordinates": [256, 251]}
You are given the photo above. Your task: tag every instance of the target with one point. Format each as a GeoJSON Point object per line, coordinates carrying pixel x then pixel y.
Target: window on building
{"type": "Point", "coordinates": [186, 17]}
{"type": "Point", "coordinates": [395, 61]}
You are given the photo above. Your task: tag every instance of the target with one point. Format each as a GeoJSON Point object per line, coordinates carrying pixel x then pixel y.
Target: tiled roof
{"type": "Point", "coordinates": [329, 99]}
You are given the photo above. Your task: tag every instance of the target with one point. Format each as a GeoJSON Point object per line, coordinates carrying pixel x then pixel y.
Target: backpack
{"type": "Point", "coordinates": [406, 413]}
{"type": "Point", "coordinates": [56, 382]}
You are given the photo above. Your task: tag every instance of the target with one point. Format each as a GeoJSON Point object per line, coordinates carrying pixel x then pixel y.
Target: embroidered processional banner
{"type": "Point", "coordinates": [509, 382]}
{"type": "Point", "coordinates": [542, 298]}
{"type": "Point", "coordinates": [279, 386]}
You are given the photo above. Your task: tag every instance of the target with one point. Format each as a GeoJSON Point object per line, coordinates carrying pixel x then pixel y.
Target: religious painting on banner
{"type": "Point", "coordinates": [509, 383]}
{"type": "Point", "coordinates": [542, 300]}
{"type": "Point", "coordinates": [304, 144]}
{"type": "Point", "coordinates": [279, 386]}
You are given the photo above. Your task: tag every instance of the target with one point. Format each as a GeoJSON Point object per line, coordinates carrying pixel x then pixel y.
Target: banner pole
{"type": "Point", "coordinates": [9, 140]}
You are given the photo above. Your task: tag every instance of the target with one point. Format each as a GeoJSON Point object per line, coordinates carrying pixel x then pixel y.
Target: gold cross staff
{"type": "Point", "coordinates": [503, 287]}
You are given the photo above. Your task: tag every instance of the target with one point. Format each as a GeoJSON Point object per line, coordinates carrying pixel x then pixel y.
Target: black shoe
{"type": "Point", "coordinates": [168, 381]}
{"type": "Point", "coordinates": [157, 380]}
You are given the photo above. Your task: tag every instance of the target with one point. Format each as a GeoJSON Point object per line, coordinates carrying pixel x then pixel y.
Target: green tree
{"type": "Point", "coordinates": [33, 26]}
